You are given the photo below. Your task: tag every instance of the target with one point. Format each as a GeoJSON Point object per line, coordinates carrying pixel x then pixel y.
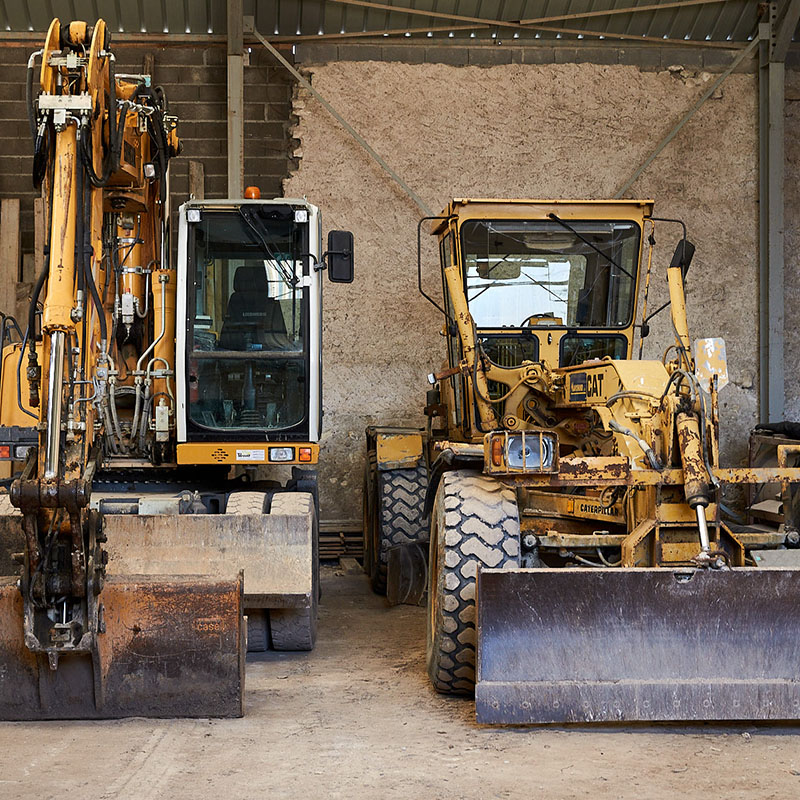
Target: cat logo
{"type": "Point", "coordinates": [594, 385]}
{"type": "Point", "coordinates": [594, 508]}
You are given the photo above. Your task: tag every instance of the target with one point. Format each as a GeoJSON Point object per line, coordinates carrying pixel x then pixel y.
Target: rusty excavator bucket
{"type": "Point", "coordinates": [166, 648]}
{"type": "Point", "coordinates": [639, 644]}
{"type": "Point", "coordinates": [158, 646]}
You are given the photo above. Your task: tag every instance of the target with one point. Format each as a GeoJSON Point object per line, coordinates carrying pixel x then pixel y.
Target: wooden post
{"type": "Point", "coordinates": [197, 181]}
{"type": "Point", "coordinates": [10, 261]}
{"type": "Point", "coordinates": [9, 254]}
{"type": "Point", "coordinates": [148, 64]}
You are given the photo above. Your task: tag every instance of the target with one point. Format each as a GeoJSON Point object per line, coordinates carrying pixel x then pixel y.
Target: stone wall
{"type": "Point", "coordinates": [515, 130]}
{"type": "Point", "coordinates": [791, 354]}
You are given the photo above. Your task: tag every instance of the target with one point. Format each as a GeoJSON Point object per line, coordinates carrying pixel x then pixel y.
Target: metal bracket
{"type": "Point", "coordinates": [65, 102]}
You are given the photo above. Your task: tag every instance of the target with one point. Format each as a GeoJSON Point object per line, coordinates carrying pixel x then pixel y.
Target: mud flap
{"type": "Point", "coordinates": [611, 645]}
{"type": "Point", "coordinates": [407, 574]}
{"type": "Point", "coordinates": [171, 647]}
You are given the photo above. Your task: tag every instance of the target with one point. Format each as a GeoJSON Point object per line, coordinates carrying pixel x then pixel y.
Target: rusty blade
{"type": "Point", "coordinates": [172, 647]}
{"type": "Point", "coordinates": [610, 645]}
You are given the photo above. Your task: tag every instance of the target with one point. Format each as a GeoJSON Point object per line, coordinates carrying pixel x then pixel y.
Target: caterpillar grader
{"type": "Point", "coordinates": [581, 565]}
{"type": "Point", "coordinates": [145, 406]}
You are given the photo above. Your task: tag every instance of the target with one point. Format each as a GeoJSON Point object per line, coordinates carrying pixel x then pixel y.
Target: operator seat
{"type": "Point", "coordinates": [253, 321]}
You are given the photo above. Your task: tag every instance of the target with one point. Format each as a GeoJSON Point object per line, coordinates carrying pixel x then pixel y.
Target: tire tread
{"type": "Point", "coordinates": [477, 520]}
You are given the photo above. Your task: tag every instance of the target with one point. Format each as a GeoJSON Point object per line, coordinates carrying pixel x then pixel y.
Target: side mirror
{"type": "Point", "coordinates": [340, 256]}
{"type": "Point", "coordinates": [682, 257]}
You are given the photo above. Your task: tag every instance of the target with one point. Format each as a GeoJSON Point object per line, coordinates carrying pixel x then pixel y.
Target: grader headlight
{"type": "Point", "coordinates": [521, 452]}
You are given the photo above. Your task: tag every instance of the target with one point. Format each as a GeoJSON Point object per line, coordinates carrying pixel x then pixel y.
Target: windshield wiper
{"type": "Point", "coordinates": [597, 250]}
{"type": "Point", "coordinates": [258, 228]}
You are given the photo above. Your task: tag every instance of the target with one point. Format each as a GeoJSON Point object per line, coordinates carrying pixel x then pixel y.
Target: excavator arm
{"type": "Point", "coordinates": [80, 644]}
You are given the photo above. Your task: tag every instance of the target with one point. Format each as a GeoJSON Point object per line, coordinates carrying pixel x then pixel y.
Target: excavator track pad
{"type": "Point", "coordinates": [168, 647]}
{"type": "Point", "coordinates": [647, 644]}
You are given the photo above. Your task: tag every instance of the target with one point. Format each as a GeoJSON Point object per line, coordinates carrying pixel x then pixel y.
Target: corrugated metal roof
{"type": "Point", "coordinates": [716, 21]}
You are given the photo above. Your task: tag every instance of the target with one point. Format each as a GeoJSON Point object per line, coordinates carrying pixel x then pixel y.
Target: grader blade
{"type": "Point", "coordinates": [167, 647]}
{"type": "Point", "coordinates": [613, 645]}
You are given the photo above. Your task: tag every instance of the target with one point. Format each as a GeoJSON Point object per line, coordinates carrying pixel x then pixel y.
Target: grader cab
{"type": "Point", "coordinates": [581, 567]}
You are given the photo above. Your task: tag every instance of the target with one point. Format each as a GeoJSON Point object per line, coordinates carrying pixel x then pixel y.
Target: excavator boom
{"type": "Point", "coordinates": [80, 638]}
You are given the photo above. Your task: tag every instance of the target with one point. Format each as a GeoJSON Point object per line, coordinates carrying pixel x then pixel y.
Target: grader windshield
{"type": "Point", "coordinates": [247, 355]}
{"type": "Point", "coordinates": [523, 272]}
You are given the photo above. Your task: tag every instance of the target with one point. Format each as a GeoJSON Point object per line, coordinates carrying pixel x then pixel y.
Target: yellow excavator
{"type": "Point", "coordinates": [146, 405]}
{"type": "Point", "coordinates": [582, 564]}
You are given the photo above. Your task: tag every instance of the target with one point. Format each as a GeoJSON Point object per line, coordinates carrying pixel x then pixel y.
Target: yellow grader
{"type": "Point", "coordinates": [143, 406]}
{"type": "Point", "coordinates": [581, 567]}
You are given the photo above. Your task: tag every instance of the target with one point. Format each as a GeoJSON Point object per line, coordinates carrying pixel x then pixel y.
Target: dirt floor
{"type": "Point", "coordinates": [356, 718]}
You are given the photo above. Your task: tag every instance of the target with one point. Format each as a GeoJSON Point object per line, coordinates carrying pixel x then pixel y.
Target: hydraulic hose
{"type": "Point", "coordinates": [158, 132]}
{"type": "Point", "coordinates": [84, 262]}
{"type": "Point", "coordinates": [643, 446]}
{"type": "Point", "coordinates": [115, 132]}
{"type": "Point", "coordinates": [37, 290]}
{"type": "Point", "coordinates": [19, 378]}
{"type": "Point", "coordinates": [29, 92]}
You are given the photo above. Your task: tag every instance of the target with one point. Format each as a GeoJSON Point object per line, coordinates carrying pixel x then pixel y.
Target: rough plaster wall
{"type": "Point", "coordinates": [571, 130]}
{"type": "Point", "coordinates": [791, 353]}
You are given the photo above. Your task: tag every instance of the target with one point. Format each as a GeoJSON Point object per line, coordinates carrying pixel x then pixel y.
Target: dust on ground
{"type": "Point", "coordinates": [357, 719]}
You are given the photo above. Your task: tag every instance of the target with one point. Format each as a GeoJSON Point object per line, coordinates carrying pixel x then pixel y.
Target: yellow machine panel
{"type": "Point", "coordinates": [248, 453]}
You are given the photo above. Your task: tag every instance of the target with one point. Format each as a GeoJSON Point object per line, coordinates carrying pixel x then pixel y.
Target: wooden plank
{"type": "Point", "coordinates": [350, 566]}
{"type": "Point", "coordinates": [197, 181]}
{"type": "Point", "coordinates": [9, 254]}
{"type": "Point", "coordinates": [9, 272]}
{"type": "Point", "coordinates": [23, 303]}
{"type": "Point", "coordinates": [39, 239]}
{"type": "Point", "coordinates": [148, 64]}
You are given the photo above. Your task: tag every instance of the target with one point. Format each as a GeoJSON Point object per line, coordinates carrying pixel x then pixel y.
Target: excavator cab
{"type": "Point", "coordinates": [252, 295]}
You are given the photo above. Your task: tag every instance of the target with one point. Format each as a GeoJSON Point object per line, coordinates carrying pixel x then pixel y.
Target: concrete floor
{"type": "Point", "coordinates": [356, 718]}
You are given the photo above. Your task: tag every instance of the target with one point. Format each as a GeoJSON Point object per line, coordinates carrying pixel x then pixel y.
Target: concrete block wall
{"type": "Point", "coordinates": [194, 80]}
{"type": "Point", "coordinates": [459, 53]}
{"type": "Point", "coordinates": [791, 273]}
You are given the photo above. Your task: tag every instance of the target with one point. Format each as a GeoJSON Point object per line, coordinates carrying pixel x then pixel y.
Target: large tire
{"type": "Point", "coordinates": [398, 507]}
{"type": "Point", "coordinates": [296, 628]}
{"type": "Point", "coordinates": [475, 521]}
{"type": "Point", "coordinates": [245, 503]}
{"type": "Point", "coordinates": [257, 631]}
